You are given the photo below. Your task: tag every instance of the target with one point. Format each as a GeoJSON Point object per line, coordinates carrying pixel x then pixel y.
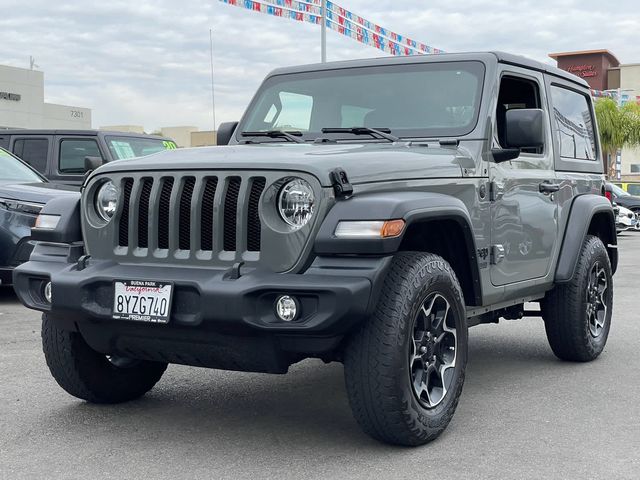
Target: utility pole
{"type": "Point", "coordinates": [213, 91]}
{"type": "Point", "coordinates": [323, 32]}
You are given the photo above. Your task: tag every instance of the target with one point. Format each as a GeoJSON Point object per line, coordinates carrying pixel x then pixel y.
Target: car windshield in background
{"type": "Point", "coordinates": [416, 100]}
{"type": "Point", "coordinates": [130, 147]}
{"type": "Point", "coordinates": [619, 191]}
{"type": "Point", "coordinates": [13, 170]}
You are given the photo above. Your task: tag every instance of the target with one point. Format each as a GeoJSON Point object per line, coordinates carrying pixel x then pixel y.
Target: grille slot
{"type": "Point", "coordinates": [163, 213]}
{"type": "Point", "coordinates": [184, 239]}
{"type": "Point", "coordinates": [206, 218]}
{"type": "Point", "coordinates": [231, 213]}
{"type": "Point", "coordinates": [123, 233]}
{"type": "Point", "coordinates": [143, 213]}
{"type": "Point", "coordinates": [178, 216]}
{"type": "Point", "coordinates": [253, 218]}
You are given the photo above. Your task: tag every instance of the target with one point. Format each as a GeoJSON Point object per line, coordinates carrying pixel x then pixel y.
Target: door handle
{"type": "Point", "coordinates": [548, 187]}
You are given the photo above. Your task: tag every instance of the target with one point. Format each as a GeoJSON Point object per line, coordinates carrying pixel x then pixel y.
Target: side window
{"type": "Point", "coordinates": [34, 151]}
{"type": "Point", "coordinates": [634, 189]}
{"type": "Point", "coordinates": [573, 124]}
{"type": "Point", "coordinates": [72, 153]}
{"type": "Point", "coordinates": [515, 92]}
{"type": "Point", "coordinates": [4, 141]}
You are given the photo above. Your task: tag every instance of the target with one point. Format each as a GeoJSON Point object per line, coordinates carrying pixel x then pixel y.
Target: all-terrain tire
{"type": "Point", "coordinates": [378, 373]}
{"type": "Point", "coordinates": [90, 375]}
{"type": "Point", "coordinates": [564, 309]}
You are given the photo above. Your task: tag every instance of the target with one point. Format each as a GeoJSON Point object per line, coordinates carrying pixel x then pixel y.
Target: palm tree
{"type": "Point", "coordinates": [619, 127]}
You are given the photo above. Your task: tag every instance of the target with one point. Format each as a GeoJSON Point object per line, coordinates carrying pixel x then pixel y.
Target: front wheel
{"type": "Point", "coordinates": [404, 369]}
{"type": "Point", "coordinates": [90, 375]}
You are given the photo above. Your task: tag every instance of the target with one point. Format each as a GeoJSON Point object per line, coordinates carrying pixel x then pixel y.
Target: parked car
{"type": "Point", "coordinates": [626, 220]}
{"type": "Point", "coordinates": [632, 188]}
{"type": "Point", "coordinates": [622, 198]}
{"type": "Point", "coordinates": [23, 193]}
{"type": "Point", "coordinates": [59, 155]}
{"type": "Point", "coordinates": [366, 212]}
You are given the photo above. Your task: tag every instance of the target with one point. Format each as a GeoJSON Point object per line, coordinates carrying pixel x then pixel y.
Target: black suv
{"type": "Point", "coordinates": [59, 155]}
{"type": "Point", "coordinates": [366, 212]}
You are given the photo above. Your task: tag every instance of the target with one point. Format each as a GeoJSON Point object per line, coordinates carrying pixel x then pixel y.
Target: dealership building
{"type": "Point", "coordinates": [22, 103]}
{"type": "Point", "coordinates": [607, 76]}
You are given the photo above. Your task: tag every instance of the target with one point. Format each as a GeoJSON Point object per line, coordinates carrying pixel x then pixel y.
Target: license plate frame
{"type": "Point", "coordinates": [145, 301]}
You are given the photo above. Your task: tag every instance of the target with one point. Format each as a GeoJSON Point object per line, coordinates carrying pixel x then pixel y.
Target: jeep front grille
{"type": "Point", "coordinates": [190, 213]}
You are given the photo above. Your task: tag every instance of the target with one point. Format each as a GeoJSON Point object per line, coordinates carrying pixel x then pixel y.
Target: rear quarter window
{"type": "Point", "coordinates": [573, 124]}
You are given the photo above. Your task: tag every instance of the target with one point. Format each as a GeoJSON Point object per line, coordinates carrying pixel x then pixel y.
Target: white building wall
{"type": "Point", "coordinates": [630, 80]}
{"type": "Point", "coordinates": [30, 110]}
{"type": "Point", "coordinates": [27, 111]}
{"type": "Point", "coordinates": [64, 116]}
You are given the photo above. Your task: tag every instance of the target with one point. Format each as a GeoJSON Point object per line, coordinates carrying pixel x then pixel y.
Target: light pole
{"type": "Point", "coordinates": [213, 91]}
{"type": "Point", "coordinates": [323, 31]}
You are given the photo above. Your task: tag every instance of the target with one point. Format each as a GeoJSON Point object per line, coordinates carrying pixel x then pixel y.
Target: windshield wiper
{"type": "Point", "coordinates": [291, 136]}
{"type": "Point", "coordinates": [374, 132]}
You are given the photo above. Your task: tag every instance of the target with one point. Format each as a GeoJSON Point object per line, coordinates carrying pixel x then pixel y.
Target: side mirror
{"type": "Point", "coordinates": [91, 163]}
{"type": "Point", "coordinates": [524, 128]}
{"type": "Point", "coordinates": [225, 132]}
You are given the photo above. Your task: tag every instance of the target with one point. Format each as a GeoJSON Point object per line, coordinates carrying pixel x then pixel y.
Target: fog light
{"type": "Point", "coordinates": [287, 308]}
{"type": "Point", "coordinates": [47, 292]}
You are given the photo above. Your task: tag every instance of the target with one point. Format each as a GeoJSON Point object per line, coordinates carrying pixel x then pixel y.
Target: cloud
{"type": "Point", "coordinates": [147, 62]}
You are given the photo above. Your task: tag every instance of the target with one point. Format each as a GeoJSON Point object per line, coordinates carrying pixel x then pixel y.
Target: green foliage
{"type": "Point", "coordinates": [619, 126]}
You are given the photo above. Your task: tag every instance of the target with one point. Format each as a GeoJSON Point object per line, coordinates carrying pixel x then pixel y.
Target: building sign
{"type": "Point", "coordinates": [584, 71]}
{"type": "Point", "coordinates": [15, 97]}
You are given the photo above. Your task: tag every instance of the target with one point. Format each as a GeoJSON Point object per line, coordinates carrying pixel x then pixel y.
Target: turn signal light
{"type": "Point", "coordinates": [392, 228]}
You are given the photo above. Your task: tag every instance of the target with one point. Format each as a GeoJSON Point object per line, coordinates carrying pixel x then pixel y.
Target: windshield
{"type": "Point", "coordinates": [618, 192]}
{"type": "Point", "coordinates": [13, 170]}
{"type": "Point", "coordinates": [417, 100]}
{"type": "Point", "coordinates": [129, 147]}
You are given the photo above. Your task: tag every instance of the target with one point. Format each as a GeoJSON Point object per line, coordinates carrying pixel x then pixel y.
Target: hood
{"type": "Point", "coordinates": [363, 163]}
{"type": "Point", "coordinates": [36, 192]}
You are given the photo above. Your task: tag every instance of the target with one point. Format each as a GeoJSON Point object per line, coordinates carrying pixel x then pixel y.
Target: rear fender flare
{"type": "Point", "coordinates": [583, 210]}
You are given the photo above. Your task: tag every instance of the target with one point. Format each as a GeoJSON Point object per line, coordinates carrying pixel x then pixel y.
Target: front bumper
{"type": "Point", "coordinates": [210, 309]}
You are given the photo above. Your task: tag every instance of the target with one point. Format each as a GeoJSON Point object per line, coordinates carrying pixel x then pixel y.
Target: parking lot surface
{"type": "Point", "coordinates": [523, 414]}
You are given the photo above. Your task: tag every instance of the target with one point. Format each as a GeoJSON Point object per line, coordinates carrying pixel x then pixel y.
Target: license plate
{"type": "Point", "coordinates": [142, 301]}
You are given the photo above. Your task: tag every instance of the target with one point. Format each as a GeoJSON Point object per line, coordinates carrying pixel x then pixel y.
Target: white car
{"type": "Point", "coordinates": [626, 220]}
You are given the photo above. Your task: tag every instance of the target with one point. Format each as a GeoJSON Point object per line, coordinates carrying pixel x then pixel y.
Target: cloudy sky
{"type": "Point", "coordinates": [146, 62]}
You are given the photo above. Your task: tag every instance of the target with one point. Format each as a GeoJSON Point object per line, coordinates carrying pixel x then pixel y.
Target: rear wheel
{"type": "Point", "coordinates": [404, 369]}
{"type": "Point", "coordinates": [90, 375]}
{"type": "Point", "coordinates": [577, 314]}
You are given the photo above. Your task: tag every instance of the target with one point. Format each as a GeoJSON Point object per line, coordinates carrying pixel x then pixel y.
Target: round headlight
{"type": "Point", "coordinates": [296, 202]}
{"type": "Point", "coordinates": [106, 201]}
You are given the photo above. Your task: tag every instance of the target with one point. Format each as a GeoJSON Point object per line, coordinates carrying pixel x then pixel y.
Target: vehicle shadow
{"type": "Point", "coordinates": [307, 406]}
{"type": "Point", "coordinates": [7, 294]}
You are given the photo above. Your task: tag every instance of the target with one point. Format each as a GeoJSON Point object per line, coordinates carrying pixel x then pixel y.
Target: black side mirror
{"type": "Point", "coordinates": [91, 163]}
{"type": "Point", "coordinates": [225, 132]}
{"type": "Point", "coordinates": [524, 128]}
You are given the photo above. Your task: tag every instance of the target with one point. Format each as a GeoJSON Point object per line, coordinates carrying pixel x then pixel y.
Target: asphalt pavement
{"type": "Point", "coordinates": [523, 414]}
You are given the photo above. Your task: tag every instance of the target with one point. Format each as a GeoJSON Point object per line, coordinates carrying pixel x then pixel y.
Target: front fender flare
{"type": "Point", "coordinates": [413, 208]}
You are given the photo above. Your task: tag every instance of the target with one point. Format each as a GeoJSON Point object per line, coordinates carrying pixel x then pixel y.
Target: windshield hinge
{"type": "Point", "coordinates": [340, 182]}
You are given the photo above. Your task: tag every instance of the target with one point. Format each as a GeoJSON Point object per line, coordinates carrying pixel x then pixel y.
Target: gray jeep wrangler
{"type": "Point", "coordinates": [366, 212]}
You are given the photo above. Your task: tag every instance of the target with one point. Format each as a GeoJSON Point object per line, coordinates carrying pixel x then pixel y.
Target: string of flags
{"type": "Point", "coordinates": [339, 20]}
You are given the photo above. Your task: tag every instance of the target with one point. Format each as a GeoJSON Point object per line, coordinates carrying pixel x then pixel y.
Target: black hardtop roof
{"type": "Point", "coordinates": [86, 133]}
{"type": "Point", "coordinates": [500, 57]}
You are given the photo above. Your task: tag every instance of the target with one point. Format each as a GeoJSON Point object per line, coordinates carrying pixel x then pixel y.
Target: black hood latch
{"type": "Point", "coordinates": [340, 182]}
